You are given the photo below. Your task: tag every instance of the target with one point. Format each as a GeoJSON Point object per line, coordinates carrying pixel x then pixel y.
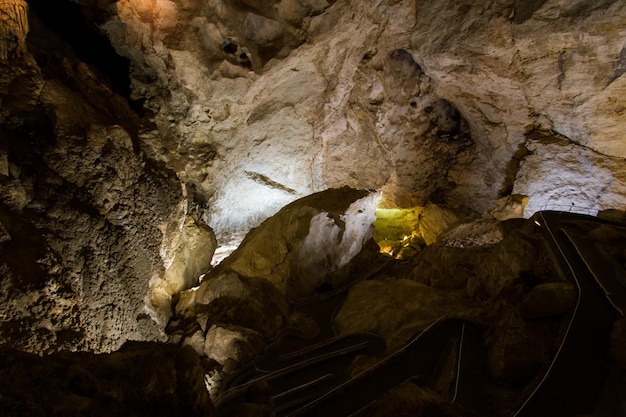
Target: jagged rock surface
{"type": "Point", "coordinates": [82, 208]}
{"type": "Point", "coordinates": [425, 101]}
{"type": "Point", "coordinates": [252, 106]}
{"type": "Point", "coordinates": [244, 301]}
{"type": "Point", "coordinates": [574, 178]}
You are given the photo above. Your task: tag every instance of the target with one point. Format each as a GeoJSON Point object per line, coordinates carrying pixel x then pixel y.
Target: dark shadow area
{"type": "Point", "coordinates": [524, 9]}
{"type": "Point", "coordinates": [66, 19]}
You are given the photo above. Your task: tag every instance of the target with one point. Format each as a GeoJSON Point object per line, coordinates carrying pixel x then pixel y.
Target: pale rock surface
{"type": "Point", "coordinates": [306, 244]}
{"type": "Point", "coordinates": [479, 233]}
{"type": "Point", "coordinates": [300, 247]}
{"type": "Point", "coordinates": [193, 247]}
{"type": "Point", "coordinates": [436, 102]}
{"type": "Point", "coordinates": [559, 175]}
{"type": "Point", "coordinates": [229, 298]}
{"type": "Point", "coordinates": [195, 342]}
{"type": "Point", "coordinates": [238, 344]}
{"type": "Point", "coordinates": [283, 99]}
{"type": "Point", "coordinates": [509, 207]}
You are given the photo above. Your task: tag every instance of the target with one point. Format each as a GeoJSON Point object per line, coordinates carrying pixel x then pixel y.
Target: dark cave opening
{"type": "Point", "coordinates": [90, 44]}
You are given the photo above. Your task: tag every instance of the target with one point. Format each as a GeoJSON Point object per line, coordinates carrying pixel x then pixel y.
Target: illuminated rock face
{"type": "Point", "coordinates": [425, 101]}
{"type": "Point", "coordinates": [307, 242]}
{"type": "Point", "coordinates": [559, 175]}
{"type": "Point", "coordinates": [226, 111]}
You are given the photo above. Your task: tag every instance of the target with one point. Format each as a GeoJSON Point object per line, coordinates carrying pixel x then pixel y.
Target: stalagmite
{"type": "Point", "coordinates": [13, 27]}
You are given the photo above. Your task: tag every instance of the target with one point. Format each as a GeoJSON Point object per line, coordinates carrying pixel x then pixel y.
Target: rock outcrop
{"type": "Point", "coordinates": [244, 301]}
{"type": "Point", "coordinates": [83, 209]}
{"type": "Point", "coordinates": [141, 379]}
{"type": "Point", "coordinates": [139, 136]}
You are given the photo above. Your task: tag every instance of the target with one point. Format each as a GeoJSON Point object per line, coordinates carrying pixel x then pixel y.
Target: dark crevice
{"type": "Point", "coordinates": [268, 182]}
{"type": "Point", "coordinates": [524, 9]}
{"type": "Point", "coordinates": [512, 168]}
{"type": "Point", "coordinates": [90, 44]}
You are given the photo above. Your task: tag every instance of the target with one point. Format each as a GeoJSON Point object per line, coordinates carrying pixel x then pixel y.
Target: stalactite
{"type": "Point", "coordinates": [13, 27]}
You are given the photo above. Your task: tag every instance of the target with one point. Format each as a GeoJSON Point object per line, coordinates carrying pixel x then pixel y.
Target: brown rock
{"type": "Point", "coordinates": [547, 300]}
{"type": "Point", "coordinates": [367, 309]}
{"type": "Point", "coordinates": [618, 342]}
{"type": "Point", "coordinates": [227, 342]}
{"type": "Point", "coordinates": [409, 399]}
{"type": "Point", "coordinates": [141, 379]}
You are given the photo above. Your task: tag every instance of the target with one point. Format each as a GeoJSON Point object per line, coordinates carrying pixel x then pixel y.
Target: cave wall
{"type": "Point", "coordinates": [122, 120]}
{"type": "Point", "coordinates": [427, 101]}
{"type": "Point", "coordinates": [83, 211]}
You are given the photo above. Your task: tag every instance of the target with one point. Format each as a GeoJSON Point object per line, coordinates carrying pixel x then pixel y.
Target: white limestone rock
{"type": "Point", "coordinates": [559, 175]}
{"type": "Point", "coordinates": [300, 247]}
{"type": "Point", "coordinates": [342, 108]}
{"type": "Point", "coordinates": [192, 248]}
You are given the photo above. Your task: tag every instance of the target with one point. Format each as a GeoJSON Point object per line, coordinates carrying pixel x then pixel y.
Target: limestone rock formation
{"type": "Point", "coordinates": [82, 206]}
{"type": "Point", "coordinates": [140, 137]}
{"type": "Point", "coordinates": [243, 302]}
{"type": "Point", "coordinates": [192, 250]}
{"type": "Point", "coordinates": [302, 246]}
{"type": "Point", "coordinates": [569, 184]}
{"type": "Point", "coordinates": [425, 101]}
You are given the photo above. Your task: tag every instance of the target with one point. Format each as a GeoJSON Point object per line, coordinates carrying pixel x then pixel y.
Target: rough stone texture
{"type": "Point", "coordinates": [396, 228]}
{"type": "Point", "coordinates": [243, 301]}
{"type": "Point", "coordinates": [141, 379]}
{"type": "Point", "coordinates": [509, 207]}
{"type": "Point", "coordinates": [82, 205]}
{"type": "Point", "coordinates": [515, 352]}
{"type": "Point", "coordinates": [509, 253]}
{"type": "Point", "coordinates": [229, 298]}
{"type": "Point", "coordinates": [85, 241]}
{"type": "Point", "coordinates": [192, 251]}
{"type": "Point", "coordinates": [559, 175]}
{"type": "Point", "coordinates": [425, 101]}
{"type": "Point", "coordinates": [224, 343]}
{"type": "Point", "coordinates": [480, 233]}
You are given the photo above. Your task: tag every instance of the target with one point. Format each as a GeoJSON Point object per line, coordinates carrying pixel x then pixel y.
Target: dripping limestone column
{"type": "Point", "coordinates": [13, 27]}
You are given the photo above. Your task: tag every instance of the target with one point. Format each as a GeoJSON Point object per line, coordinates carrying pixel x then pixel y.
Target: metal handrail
{"type": "Point", "coordinates": [571, 208]}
